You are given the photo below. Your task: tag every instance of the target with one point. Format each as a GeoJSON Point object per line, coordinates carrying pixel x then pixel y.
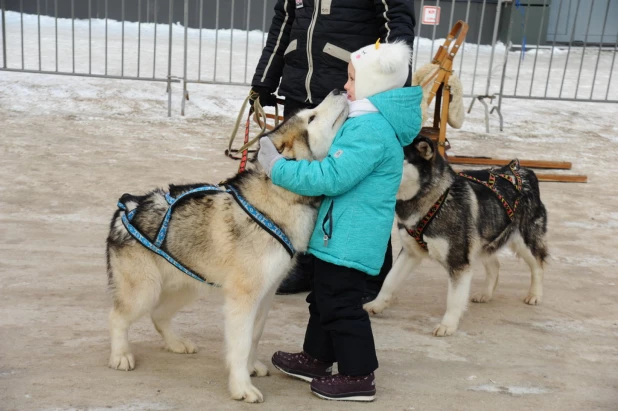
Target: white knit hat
{"type": "Point", "coordinates": [380, 67]}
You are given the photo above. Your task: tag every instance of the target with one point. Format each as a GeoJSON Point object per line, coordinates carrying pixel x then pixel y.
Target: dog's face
{"type": "Point", "coordinates": [418, 167]}
{"type": "Point", "coordinates": [309, 134]}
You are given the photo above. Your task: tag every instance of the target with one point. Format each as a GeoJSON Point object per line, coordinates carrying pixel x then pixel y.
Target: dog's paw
{"type": "Point", "coordinates": [123, 362]}
{"type": "Point", "coordinates": [444, 330]}
{"type": "Point", "coordinates": [376, 306]}
{"type": "Point", "coordinates": [247, 393]}
{"type": "Point", "coordinates": [480, 298]}
{"type": "Point", "coordinates": [533, 299]}
{"type": "Point", "coordinates": [181, 346]}
{"type": "Point", "coordinates": [259, 370]}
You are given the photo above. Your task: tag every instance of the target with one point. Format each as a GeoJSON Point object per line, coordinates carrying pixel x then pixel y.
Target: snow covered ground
{"type": "Point", "coordinates": [70, 146]}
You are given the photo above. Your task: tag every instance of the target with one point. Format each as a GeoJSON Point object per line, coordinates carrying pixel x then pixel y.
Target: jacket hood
{"type": "Point", "coordinates": [401, 107]}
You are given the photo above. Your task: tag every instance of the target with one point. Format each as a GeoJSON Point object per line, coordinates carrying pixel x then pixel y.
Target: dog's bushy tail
{"type": "Point", "coordinates": [532, 216]}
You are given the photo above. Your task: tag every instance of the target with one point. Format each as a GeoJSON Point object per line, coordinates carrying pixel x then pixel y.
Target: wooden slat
{"type": "Point", "coordinates": [486, 161]}
{"type": "Point", "coordinates": [562, 178]}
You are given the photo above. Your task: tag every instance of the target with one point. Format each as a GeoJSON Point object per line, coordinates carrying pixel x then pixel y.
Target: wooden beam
{"type": "Point", "coordinates": [562, 178]}
{"type": "Point", "coordinates": [487, 161]}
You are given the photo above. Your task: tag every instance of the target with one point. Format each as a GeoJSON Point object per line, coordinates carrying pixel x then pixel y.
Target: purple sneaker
{"type": "Point", "coordinates": [345, 388]}
{"type": "Point", "coordinates": [301, 365]}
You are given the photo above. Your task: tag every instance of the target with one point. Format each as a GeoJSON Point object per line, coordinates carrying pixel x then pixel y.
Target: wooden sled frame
{"type": "Point", "coordinates": [442, 92]}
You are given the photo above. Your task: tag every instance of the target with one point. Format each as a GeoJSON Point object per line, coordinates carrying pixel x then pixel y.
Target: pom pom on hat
{"type": "Point", "coordinates": [380, 67]}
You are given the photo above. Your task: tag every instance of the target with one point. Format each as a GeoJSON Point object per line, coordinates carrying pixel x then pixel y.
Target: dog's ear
{"type": "Point", "coordinates": [425, 148]}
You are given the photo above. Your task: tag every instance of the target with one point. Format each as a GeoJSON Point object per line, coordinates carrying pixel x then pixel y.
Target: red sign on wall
{"type": "Point", "coordinates": [431, 15]}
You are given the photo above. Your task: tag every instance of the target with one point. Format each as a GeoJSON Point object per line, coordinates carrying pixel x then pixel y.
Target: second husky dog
{"type": "Point", "coordinates": [456, 218]}
{"type": "Point", "coordinates": [213, 236]}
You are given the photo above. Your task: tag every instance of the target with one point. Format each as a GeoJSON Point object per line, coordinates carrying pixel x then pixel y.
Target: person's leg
{"type": "Point", "coordinates": [374, 283]}
{"type": "Point", "coordinates": [316, 359]}
{"type": "Point", "coordinates": [338, 296]}
{"type": "Point", "coordinates": [297, 280]}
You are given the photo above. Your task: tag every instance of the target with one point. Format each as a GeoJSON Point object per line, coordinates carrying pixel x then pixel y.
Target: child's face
{"type": "Point", "coordinates": [350, 85]}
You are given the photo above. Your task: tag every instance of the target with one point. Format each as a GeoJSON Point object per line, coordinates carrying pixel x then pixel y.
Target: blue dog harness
{"type": "Point", "coordinates": [155, 246]}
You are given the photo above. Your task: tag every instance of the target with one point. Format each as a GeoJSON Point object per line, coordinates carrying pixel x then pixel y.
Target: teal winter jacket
{"type": "Point", "coordinates": [359, 178]}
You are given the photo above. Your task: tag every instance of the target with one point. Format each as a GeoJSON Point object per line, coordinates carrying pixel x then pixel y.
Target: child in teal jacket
{"type": "Point", "coordinates": [359, 179]}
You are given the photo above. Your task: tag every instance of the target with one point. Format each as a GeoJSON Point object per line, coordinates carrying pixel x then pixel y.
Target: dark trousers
{"type": "Point", "coordinates": [339, 330]}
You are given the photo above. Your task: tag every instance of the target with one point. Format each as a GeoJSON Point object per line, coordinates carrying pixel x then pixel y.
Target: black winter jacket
{"type": "Point", "coordinates": [310, 41]}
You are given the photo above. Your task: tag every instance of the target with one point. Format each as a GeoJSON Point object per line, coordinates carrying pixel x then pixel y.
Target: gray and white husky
{"type": "Point", "coordinates": [472, 223]}
{"type": "Point", "coordinates": [213, 236]}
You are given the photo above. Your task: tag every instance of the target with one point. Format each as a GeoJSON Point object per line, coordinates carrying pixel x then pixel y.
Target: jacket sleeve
{"type": "Point", "coordinates": [397, 23]}
{"type": "Point", "coordinates": [270, 67]}
{"type": "Point", "coordinates": [350, 160]}
{"type": "Point", "coordinates": [397, 20]}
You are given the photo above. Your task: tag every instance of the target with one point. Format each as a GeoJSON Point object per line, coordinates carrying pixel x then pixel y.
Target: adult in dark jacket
{"type": "Point", "coordinates": [306, 56]}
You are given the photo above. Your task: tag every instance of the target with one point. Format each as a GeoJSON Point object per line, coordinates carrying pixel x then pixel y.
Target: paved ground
{"type": "Point", "coordinates": [68, 154]}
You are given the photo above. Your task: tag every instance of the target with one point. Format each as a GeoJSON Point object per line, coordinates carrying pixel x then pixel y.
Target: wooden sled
{"type": "Point", "coordinates": [442, 92]}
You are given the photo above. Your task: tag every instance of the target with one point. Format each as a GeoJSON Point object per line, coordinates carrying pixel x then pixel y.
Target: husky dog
{"type": "Point", "coordinates": [213, 236]}
{"type": "Point", "coordinates": [471, 223]}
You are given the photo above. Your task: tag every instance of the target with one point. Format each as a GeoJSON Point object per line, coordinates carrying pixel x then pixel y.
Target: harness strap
{"type": "Point", "coordinates": [155, 247]}
{"type": "Point", "coordinates": [417, 232]}
{"type": "Point", "coordinates": [126, 221]}
{"type": "Point", "coordinates": [262, 221]}
{"type": "Point", "coordinates": [514, 167]}
{"type": "Point", "coordinates": [172, 202]}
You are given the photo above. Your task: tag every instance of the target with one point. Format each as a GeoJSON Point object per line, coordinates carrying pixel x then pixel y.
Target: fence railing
{"type": "Point", "coordinates": [543, 49]}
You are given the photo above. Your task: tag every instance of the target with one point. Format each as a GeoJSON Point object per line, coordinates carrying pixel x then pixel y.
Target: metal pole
{"type": "Point", "coordinates": [418, 36]}
{"type": "Point", "coordinates": [122, 39]}
{"type": "Point", "coordinates": [73, 32]}
{"type": "Point", "coordinates": [154, 54]}
{"type": "Point", "coordinates": [105, 37]}
{"type": "Point", "coordinates": [4, 37]}
{"type": "Point", "coordinates": [553, 45]}
{"type": "Point", "coordinates": [139, 33]}
{"type": "Point", "coordinates": [596, 67]}
{"type": "Point", "coordinates": [506, 59]}
{"type": "Point", "coordinates": [463, 46]}
{"type": "Point", "coordinates": [581, 64]}
{"type": "Point", "coordinates": [450, 20]}
{"type": "Point", "coordinates": [247, 44]}
{"type": "Point", "coordinates": [433, 33]}
{"type": "Point", "coordinates": [538, 42]}
{"type": "Point", "coordinates": [214, 76]}
{"type": "Point", "coordinates": [494, 39]}
{"type": "Point", "coordinates": [199, 58]}
{"type": "Point", "coordinates": [56, 29]}
{"type": "Point", "coordinates": [89, 36]}
{"type": "Point", "coordinates": [38, 13]}
{"type": "Point", "coordinates": [169, 61]}
{"type": "Point", "coordinates": [566, 65]}
{"type": "Point", "coordinates": [264, 24]}
{"type": "Point", "coordinates": [185, 94]}
{"type": "Point", "coordinates": [231, 38]}
{"type": "Point", "coordinates": [521, 57]}
{"type": "Point", "coordinates": [21, 16]}
{"type": "Point", "coordinates": [478, 45]}
{"type": "Point", "coordinates": [611, 68]}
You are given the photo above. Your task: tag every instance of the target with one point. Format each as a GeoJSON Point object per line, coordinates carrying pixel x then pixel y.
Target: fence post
{"type": "Point", "coordinates": [185, 93]}
{"type": "Point", "coordinates": [481, 98]}
{"type": "Point", "coordinates": [169, 61]}
{"type": "Point", "coordinates": [3, 37]}
{"type": "Point", "coordinates": [506, 59]}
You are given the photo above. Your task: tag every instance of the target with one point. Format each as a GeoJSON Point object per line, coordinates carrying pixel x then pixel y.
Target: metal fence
{"type": "Point", "coordinates": [542, 49]}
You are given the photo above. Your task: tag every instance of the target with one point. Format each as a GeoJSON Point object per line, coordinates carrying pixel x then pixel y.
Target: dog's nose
{"type": "Point", "coordinates": [336, 92]}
